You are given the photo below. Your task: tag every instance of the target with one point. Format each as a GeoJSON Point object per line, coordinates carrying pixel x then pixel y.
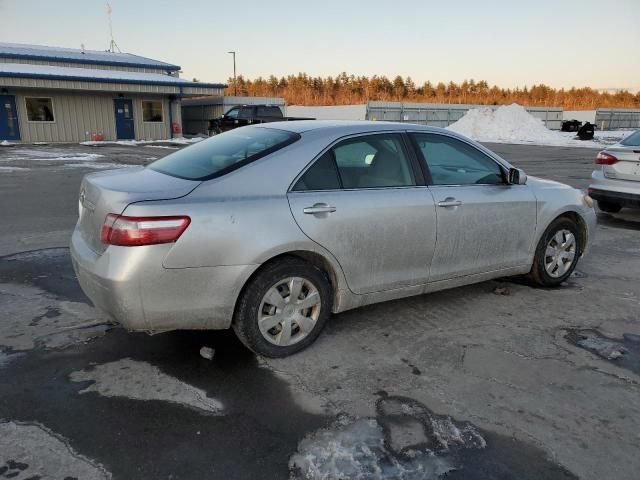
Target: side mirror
{"type": "Point", "coordinates": [516, 177]}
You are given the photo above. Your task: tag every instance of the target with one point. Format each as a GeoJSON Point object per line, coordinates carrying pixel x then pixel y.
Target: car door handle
{"type": "Point", "coordinates": [450, 202]}
{"type": "Point", "coordinates": [319, 208]}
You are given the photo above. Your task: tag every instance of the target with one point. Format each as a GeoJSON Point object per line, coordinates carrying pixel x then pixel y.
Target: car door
{"type": "Point", "coordinates": [362, 201]}
{"type": "Point", "coordinates": [484, 224]}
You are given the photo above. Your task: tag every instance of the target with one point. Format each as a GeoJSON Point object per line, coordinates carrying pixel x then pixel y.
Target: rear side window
{"type": "Point", "coordinates": [223, 153]}
{"type": "Point", "coordinates": [374, 161]}
{"type": "Point", "coordinates": [370, 161]}
{"type": "Point", "coordinates": [321, 176]}
{"type": "Point", "coordinates": [268, 112]}
{"type": "Point", "coordinates": [452, 162]}
{"type": "Point", "coordinates": [246, 113]}
{"type": "Point", "coordinates": [632, 140]}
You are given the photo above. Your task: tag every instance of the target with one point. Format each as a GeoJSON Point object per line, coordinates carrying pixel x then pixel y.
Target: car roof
{"type": "Point", "coordinates": [346, 126]}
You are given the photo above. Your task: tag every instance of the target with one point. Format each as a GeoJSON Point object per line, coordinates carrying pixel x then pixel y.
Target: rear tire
{"type": "Point", "coordinates": [270, 321]}
{"type": "Point", "coordinates": [609, 207]}
{"type": "Point", "coordinates": [557, 253]}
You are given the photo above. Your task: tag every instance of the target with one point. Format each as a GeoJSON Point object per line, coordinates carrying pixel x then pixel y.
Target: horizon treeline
{"type": "Point", "coordinates": [345, 89]}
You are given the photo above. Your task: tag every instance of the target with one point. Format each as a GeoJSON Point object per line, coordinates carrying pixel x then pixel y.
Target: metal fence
{"type": "Point", "coordinates": [617, 118]}
{"type": "Point", "coordinates": [443, 115]}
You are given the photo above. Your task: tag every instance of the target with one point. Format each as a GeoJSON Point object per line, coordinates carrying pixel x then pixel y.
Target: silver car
{"type": "Point", "coordinates": [616, 183]}
{"type": "Point", "coordinates": [270, 229]}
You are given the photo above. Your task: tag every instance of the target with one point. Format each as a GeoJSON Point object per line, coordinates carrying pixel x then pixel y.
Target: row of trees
{"type": "Point", "coordinates": [344, 89]}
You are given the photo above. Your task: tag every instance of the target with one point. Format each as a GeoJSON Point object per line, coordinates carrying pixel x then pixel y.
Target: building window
{"type": "Point", "coordinates": [151, 111]}
{"type": "Point", "coordinates": [39, 109]}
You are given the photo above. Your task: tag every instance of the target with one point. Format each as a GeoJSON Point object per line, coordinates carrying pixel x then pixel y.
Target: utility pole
{"type": "Point", "coordinates": [235, 83]}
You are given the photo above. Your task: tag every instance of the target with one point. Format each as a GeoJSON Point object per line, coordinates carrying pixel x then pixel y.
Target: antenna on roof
{"type": "Point", "coordinates": [113, 46]}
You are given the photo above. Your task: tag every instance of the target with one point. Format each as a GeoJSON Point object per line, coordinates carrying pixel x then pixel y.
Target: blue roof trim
{"type": "Point", "coordinates": [159, 65]}
{"type": "Point", "coordinates": [186, 84]}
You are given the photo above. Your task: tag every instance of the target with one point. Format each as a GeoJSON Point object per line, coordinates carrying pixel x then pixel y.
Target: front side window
{"type": "Point", "coordinates": [223, 153]}
{"type": "Point", "coordinates": [151, 111]}
{"type": "Point", "coordinates": [453, 162]}
{"type": "Point", "coordinates": [233, 113]}
{"type": "Point", "coordinates": [39, 109]}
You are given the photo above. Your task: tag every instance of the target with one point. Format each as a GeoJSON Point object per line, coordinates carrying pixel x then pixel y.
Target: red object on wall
{"type": "Point", "coordinates": [97, 137]}
{"type": "Point", "coordinates": [176, 128]}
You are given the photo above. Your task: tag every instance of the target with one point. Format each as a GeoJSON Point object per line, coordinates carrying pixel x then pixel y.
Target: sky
{"type": "Point", "coordinates": [561, 43]}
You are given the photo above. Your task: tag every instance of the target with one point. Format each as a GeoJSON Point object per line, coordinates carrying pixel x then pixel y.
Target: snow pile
{"type": "Point", "coordinates": [508, 124]}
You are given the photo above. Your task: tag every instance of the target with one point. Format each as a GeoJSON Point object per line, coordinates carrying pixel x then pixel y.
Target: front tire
{"type": "Point", "coordinates": [609, 207]}
{"type": "Point", "coordinates": [283, 309]}
{"type": "Point", "coordinates": [557, 253]}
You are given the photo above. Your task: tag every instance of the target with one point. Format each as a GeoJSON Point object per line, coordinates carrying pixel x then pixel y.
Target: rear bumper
{"type": "Point", "coordinates": [623, 192]}
{"type": "Point", "coordinates": [131, 285]}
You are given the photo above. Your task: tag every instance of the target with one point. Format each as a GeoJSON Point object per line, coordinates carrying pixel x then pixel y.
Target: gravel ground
{"type": "Point", "coordinates": [495, 380]}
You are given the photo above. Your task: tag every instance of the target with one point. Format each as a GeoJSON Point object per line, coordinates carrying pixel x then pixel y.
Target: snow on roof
{"type": "Point", "coordinates": [49, 72]}
{"type": "Point", "coordinates": [76, 55]}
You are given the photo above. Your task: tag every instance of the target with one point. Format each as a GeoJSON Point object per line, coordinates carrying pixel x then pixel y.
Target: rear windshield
{"type": "Point", "coordinates": [223, 153]}
{"type": "Point", "coordinates": [632, 140]}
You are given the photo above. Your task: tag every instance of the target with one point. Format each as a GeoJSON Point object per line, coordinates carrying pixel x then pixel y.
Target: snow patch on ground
{"type": "Point", "coordinates": [98, 166]}
{"type": "Point", "coordinates": [14, 169]}
{"type": "Point", "coordinates": [405, 441]}
{"type": "Point", "coordinates": [32, 451]}
{"type": "Point", "coordinates": [356, 449]}
{"type": "Point", "coordinates": [32, 318]}
{"type": "Point", "coordinates": [143, 381]}
{"type": "Point", "coordinates": [513, 124]}
{"type": "Point", "coordinates": [53, 155]}
{"type": "Point", "coordinates": [135, 143]}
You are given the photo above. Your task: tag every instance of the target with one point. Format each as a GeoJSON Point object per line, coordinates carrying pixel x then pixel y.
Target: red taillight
{"type": "Point", "coordinates": [604, 158]}
{"type": "Point", "coordinates": [135, 231]}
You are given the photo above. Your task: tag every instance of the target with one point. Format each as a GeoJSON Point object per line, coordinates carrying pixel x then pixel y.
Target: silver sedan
{"type": "Point", "coordinates": [270, 229]}
{"type": "Point", "coordinates": [616, 183]}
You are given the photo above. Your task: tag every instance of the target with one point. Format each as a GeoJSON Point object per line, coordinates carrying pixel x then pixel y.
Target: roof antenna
{"type": "Point", "coordinates": [113, 46]}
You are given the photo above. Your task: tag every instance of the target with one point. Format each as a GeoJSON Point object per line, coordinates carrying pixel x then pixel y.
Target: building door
{"type": "Point", "coordinates": [124, 119]}
{"type": "Point", "coordinates": [9, 129]}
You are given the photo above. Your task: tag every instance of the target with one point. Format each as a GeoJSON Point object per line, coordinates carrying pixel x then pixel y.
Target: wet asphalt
{"type": "Point", "coordinates": [262, 422]}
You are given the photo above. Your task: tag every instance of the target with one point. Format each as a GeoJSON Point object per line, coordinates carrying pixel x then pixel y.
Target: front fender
{"type": "Point", "coordinates": [555, 199]}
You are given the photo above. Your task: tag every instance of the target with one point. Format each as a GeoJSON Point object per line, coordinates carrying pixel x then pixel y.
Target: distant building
{"type": "Point", "coordinates": [50, 94]}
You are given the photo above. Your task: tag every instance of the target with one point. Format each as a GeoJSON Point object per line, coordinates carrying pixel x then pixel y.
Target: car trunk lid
{"type": "Point", "coordinates": [111, 191]}
{"type": "Point", "coordinates": [628, 165]}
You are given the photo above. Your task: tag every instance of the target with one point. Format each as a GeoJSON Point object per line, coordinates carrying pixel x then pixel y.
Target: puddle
{"type": "Point", "coordinates": [42, 305]}
{"type": "Point", "coordinates": [406, 441]}
{"type": "Point", "coordinates": [49, 269]}
{"type": "Point", "coordinates": [261, 419]}
{"type": "Point", "coordinates": [623, 352]}
{"type": "Point", "coordinates": [33, 318]}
